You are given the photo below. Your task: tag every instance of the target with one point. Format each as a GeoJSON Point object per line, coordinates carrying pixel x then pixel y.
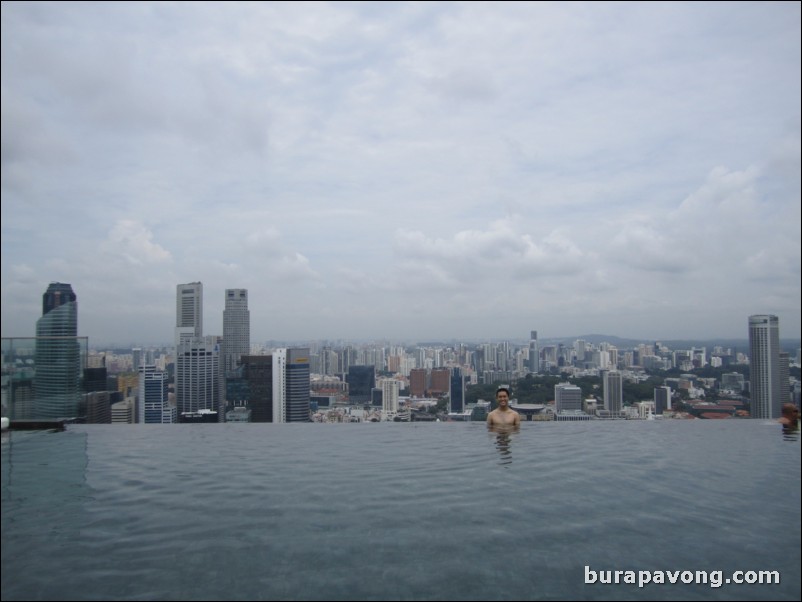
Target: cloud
{"type": "Point", "coordinates": [503, 250]}
{"type": "Point", "coordinates": [266, 251]}
{"type": "Point", "coordinates": [133, 241]}
{"type": "Point", "coordinates": [429, 168]}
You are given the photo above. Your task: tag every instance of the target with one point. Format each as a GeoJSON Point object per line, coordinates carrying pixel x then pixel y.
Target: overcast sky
{"type": "Point", "coordinates": [404, 171]}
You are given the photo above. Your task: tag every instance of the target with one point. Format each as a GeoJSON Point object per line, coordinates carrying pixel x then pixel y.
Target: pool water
{"type": "Point", "coordinates": [391, 511]}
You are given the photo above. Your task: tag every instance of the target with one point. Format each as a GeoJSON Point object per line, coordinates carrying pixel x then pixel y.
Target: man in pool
{"type": "Point", "coordinates": [790, 417]}
{"type": "Point", "coordinates": [503, 415]}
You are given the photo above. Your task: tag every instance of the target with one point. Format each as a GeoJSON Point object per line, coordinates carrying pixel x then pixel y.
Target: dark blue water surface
{"type": "Point", "coordinates": [393, 511]}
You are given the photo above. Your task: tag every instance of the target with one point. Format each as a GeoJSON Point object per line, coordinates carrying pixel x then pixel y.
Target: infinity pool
{"type": "Point", "coordinates": [390, 511]}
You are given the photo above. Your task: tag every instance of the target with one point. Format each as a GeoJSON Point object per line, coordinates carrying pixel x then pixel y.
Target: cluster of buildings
{"type": "Point", "coordinates": [219, 378]}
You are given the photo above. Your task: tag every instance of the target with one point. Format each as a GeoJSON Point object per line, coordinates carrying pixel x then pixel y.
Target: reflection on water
{"type": "Point", "coordinates": [791, 433]}
{"type": "Point", "coordinates": [504, 441]}
{"type": "Point", "coordinates": [790, 421]}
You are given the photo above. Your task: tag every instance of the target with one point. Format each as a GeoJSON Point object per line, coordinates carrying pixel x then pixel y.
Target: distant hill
{"type": "Point", "coordinates": [741, 345]}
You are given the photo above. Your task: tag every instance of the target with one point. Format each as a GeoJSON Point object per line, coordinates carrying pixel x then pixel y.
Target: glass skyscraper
{"type": "Point", "coordinates": [57, 382]}
{"type": "Point", "coordinates": [153, 405]}
{"type": "Point", "coordinates": [291, 385]}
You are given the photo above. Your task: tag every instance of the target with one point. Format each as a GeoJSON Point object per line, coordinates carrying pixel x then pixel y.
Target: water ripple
{"type": "Point", "coordinates": [395, 511]}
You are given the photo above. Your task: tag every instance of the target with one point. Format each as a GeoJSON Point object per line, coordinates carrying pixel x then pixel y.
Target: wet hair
{"type": "Point", "coordinates": [506, 389]}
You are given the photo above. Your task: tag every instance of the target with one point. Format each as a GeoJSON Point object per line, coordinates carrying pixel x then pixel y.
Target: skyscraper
{"type": "Point", "coordinates": [417, 382]}
{"type": "Point", "coordinates": [361, 381]}
{"type": "Point", "coordinates": [236, 328]}
{"type": "Point", "coordinates": [785, 382]}
{"type": "Point", "coordinates": [198, 382]}
{"type": "Point", "coordinates": [457, 391]}
{"type": "Point", "coordinates": [291, 385]}
{"type": "Point", "coordinates": [534, 354]}
{"type": "Point", "coordinates": [188, 312]}
{"type": "Point", "coordinates": [136, 358]}
{"type": "Point", "coordinates": [258, 373]}
{"type": "Point", "coordinates": [154, 407]}
{"type": "Point", "coordinates": [613, 392]}
{"type": "Point", "coordinates": [764, 366]}
{"type": "Point", "coordinates": [662, 399]}
{"type": "Point", "coordinates": [390, 390]}
{"type": "Point", "coordinates": [440, 381]}
{"type": "Point", "coordinates": [57, 383]}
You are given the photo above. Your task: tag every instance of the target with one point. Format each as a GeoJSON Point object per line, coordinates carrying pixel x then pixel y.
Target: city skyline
{"type": "Point", "coordinates": [404, 171]}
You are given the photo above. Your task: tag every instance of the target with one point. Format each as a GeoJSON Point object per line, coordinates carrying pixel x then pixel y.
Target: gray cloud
{"type": "Point", "coordinates": [404, 169]}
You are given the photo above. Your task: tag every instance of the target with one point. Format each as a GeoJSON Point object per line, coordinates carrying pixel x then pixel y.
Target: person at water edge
{"type": "Point", "coordinates": [503, 415]}
{"type": "Point", "coordinates": [790, 417]}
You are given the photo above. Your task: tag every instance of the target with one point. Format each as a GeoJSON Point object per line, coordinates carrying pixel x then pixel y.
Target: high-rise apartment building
{"type": "Point", "coordinates": [390, 391]}
{"type": "Point", "coordinates": [764, 366]}
{"type": "Point", "coordinates": [58, 357]}
{"type": "Point", "coordinates": [236, 328]}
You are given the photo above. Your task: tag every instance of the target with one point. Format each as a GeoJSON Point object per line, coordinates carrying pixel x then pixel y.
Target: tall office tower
{"type": "Point", "coordinates": [136, 358]}
{"type": "Point", "coordinates": [188, 312]}
{"type": "Point", "coordinates": [57, 382]}
{"type": "Point", "coordinates": [390, 390]}
{"type": "Point", "coordinates": [534, 354]}
{"type": "Point", "coordinates": [567, 397]}
{"type": "Point", "coordinates": [613, 392]}
{"type": "Point", "coordinates": [98, 407]}
{"type": "Point", "coordinates": [417, 382]}
{"type": "Point", "coordinates": [662, 399]}
{"type": "Point", "coordinates": [198, 383]}
{"type": "Point", "coordinates": [785, 382]}
{"type": "Point", "coordinates": [361, 381]}
{"type": "Point", "coordinates": [457, 392]}
{"type": "Point", "coordinates": [95, 379]}
{"type": "Point", "coordinates": [291, 385]}
{"type": "Point", "coordinates": [764, 366]}
{"type": "Point", "coordinates": [441, 381]}
{"type": "Point", "coordinates": [153, 404]}
{"type": "Point", "coordinates": [236, 328]}
{"type": "Point", "coordinates": [258, 373]}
